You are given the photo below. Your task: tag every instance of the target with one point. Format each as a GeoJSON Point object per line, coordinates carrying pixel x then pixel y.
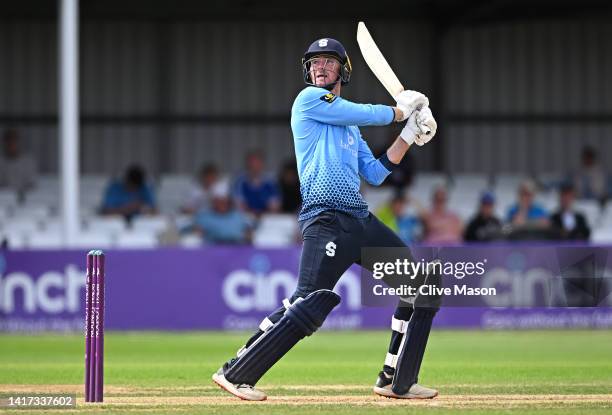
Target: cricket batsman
{"type": "Point", "coordinates": [335, 223]}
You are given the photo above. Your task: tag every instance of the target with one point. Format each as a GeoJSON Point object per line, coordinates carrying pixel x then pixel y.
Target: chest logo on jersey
{"type": "Point", "coordinates": [348, 145]}
{"type": "Point", "coordinates": [329, 98]}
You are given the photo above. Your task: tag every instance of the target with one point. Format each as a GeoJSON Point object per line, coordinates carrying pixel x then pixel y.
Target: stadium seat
{"type": "Point", "coordinates": [8, 199]}
{"type": "Point", "coordinates": [92, 240]}
{"type": "Point", "coordinates": [45, 240]}
{"type": "Point", "coordinates": [279, 223]}
{"type": "Point", "coordinates": [136, 240]}
{"type": "Point", "coordinates": [150, 224]}
{"type": "Point", "coordinates": [191, 241]}
{"type": "Point", "coordinates": [425, 183]}
{"type": "Point", "coordinates": [590, 209]}
{"type": "Point", "coordinates": [602, 235]}
{"type": "Point", "coordinates": [32, 212]}
{"type": "Point", "coordinates": [470, 183]}
{"type": "Point", "coordinates": [106, 224]}
{"type": "Point", "coordinates": [49, 196]}
{"type": "Point", "coordinates": [15, 240]}
{"type": "Point", "coordinates": [270, 239]}
{"type": "Point", "coordinates": [21, 225]}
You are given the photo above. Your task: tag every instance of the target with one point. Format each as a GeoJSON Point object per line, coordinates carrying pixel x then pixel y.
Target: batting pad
{"type": "Point", "coordinates": [301, 319]}
{"type": "Point", "coordinates": [412, 350]}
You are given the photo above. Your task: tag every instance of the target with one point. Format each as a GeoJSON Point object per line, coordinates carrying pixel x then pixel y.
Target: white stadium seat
{"type": "Point", "coordinates": [150, 224]}
{"type": "Point", "coordinates": [21, 225]}
{"type": "Point", "coordinates": [15, 240]}
{"type": "Point", "coordinates": [191, 241]}
{"type": "Point", "coordinates": [32, 212]}
{"type": "Point", "coordinates": [590, 209]}
{"type": "Point", "coordinates": [92, 240]}
{"type": "Point", "coordinates": [45, 240]}
{"type": "Point", "coordinates": [136, 240]}
{"type": "Point", "coordinates": [106, 224]}
{"type": "Point", "coordinates": [8, 198]}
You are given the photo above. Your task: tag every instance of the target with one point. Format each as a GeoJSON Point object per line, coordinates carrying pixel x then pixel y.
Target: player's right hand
{"type": "Point", "coordinates": [409, 101]}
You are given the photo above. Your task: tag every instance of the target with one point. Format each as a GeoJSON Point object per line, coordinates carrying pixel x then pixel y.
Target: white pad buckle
{"type": "Point", "coordinates": [399, 325]}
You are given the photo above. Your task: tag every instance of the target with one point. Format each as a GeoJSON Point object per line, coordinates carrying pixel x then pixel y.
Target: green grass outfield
{"type": "Point", "coordinates": [477, 372]}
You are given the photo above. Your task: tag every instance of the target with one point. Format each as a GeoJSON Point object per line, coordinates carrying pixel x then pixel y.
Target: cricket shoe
{"type": "Point", "coordinates": [241, 390]}
{"type": "Point", "coordinates": [383, 384]}
{"type": "Point", "coordinates": [416, 391]}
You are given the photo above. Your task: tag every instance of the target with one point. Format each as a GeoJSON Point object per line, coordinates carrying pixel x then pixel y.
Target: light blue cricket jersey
{"type": "Point", "coordinates": [330, 153]}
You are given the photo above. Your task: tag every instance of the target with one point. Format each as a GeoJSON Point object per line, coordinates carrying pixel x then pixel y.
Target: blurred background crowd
{"type": "Point", "coordinates": [258, 206]}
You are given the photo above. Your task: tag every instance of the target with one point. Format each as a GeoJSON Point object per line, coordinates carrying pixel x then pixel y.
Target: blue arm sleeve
{"type": "Point", "coordinates": [323, 106]}
{"type": "Point", "coordinates": [370, 168]}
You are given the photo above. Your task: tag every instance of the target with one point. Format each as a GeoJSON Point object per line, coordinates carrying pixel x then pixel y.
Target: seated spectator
{"type": "Point", "coordinates": [199, 195]}
{"type": "Point", "coordinates": [442, 225]}
{"type": "Point", "coordinates": [570, 224]}
{"type": "Point", "coordinates": [526, 212]}
{"type": "Point", "coordinates": [129, 197]}
{"type": "Point", "coordinates": [484, 226]}
{"type": "Point", "coordinates": [17, 169]}
{"type": "Point", "coordinates": [590, 180]}
{"type": "Point", "coordinates": [255, 192]}
{"type": "Point", "coordinates": [289, 185]}
{"type": "Point", "coordinates": [403, 216]}
{"type": "Point", "coordinates": [222, 223]}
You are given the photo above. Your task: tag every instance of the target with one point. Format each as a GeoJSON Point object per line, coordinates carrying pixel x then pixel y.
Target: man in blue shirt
{"type": "Point", "coordinates": [255, 192]}
{"type": "Point", "coordinates": [222, 223]}
{"type": "Point", "coordinates": [332, 157]}
{"type": "Point", "coordinates": [129, 197]}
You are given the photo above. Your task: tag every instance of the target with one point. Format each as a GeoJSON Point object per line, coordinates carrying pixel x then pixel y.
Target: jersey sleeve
{"type": "Point", "coordinates": [320, 105]}
{"type": "Point", "coordinates": [370, 168]}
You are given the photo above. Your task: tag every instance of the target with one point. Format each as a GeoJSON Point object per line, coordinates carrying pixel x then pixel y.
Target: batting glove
{"type": "Point", "coordinates": [410, 101]}
{"type": "Point", "coordinates": [427, 126]}
{"type": "Point", "coordinates": [415, 130]}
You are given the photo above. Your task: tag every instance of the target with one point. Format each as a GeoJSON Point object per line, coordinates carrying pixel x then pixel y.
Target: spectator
{"type": "Point", "coordinates": [484, 226]}
{"type": "Point", "coordinates": [199, 195]}
{"type": "Point", "coordinates": [526, 212]}
{"type": "Point", "coordinates": [17, 170]}
{"type": "Point", "coordinates": [289, 185]}
{"type": "Point", "coordinates": [403, 216]}
{"type": "Point", "coordinates": [590, 181]}
{"type": "Point", "coordinates": [222, 223]}
{"type": "Point", "coordinates": [570, 224]}
{"type": "Point", "coordinates": [255, 192]}
{"type": "Point", "coordinates": [442, 225]}
{"type": "Point", "coordinates": [129, 197]}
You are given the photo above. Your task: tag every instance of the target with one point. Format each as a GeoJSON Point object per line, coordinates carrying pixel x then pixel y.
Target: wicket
{"type": "Point", "coordinates": [94, 327]}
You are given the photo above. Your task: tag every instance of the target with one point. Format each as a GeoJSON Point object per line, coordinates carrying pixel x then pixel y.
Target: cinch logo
{"type": "Point", "coordinates": [323, 43]}
{"type": "Point", "coordinates": [246, 291]}
{"type": "Point", "coordinates": [52, 292]}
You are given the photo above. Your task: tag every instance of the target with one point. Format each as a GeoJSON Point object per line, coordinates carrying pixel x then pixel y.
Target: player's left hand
{"type": "Point", "coordinates": [425, 122]}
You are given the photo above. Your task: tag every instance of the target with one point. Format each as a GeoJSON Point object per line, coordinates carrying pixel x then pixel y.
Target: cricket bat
{"type": "Point", "coordinates": [377, 62]}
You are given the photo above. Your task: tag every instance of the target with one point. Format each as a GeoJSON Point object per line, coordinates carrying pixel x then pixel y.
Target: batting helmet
{"type": "Point", "coordinates": [331, 47]}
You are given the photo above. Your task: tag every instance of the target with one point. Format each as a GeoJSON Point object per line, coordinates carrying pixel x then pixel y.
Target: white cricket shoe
{"type": "Point", "coordinates": [416, 391]}
{"type": "Point", "coordinates": [243, 391]}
